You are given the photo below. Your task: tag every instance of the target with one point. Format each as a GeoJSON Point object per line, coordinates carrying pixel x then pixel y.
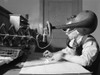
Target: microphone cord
{"type": "Point", "coordinates": [46, 45]}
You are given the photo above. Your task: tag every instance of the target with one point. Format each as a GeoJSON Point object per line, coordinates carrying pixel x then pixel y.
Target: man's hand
{"type": "Point", "coordinates": [56, 56]}
{"type": "Point", "coordinates": [4, 60]}
{"type": "Point", "coordinates": [47, 54]}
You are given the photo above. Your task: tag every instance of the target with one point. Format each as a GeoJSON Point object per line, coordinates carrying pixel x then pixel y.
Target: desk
{"type": "Point", "coordinates": [31, 67]}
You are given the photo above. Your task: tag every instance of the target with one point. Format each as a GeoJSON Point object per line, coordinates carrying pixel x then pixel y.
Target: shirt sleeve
{"type": "Point", "coordinates": [89, 52]}
{"type": "Point", "coordinates": [69, 51]}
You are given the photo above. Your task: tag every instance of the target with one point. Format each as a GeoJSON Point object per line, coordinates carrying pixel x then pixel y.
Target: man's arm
{"type": "Point", "coordinates": [89, 53]}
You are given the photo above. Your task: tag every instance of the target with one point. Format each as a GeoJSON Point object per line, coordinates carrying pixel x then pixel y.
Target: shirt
{"type": "Point", "coordinates": [86, 50]}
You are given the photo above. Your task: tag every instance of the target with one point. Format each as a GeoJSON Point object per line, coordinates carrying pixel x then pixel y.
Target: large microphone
{"type": "Point", "coordinates": [85, 22]}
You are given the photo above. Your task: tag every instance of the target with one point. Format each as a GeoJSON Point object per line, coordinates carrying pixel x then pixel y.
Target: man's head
{"type": "Point", "coordinates": [84, 23]}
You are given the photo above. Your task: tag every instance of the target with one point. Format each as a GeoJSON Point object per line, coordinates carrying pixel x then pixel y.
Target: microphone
{"type": "Point", "coordinates": [44, 34]}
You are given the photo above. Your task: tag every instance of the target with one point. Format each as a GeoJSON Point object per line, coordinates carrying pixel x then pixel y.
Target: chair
{"type": "Point", "coordinates": [98, 71]}
{"type": "Point", "coordinates": [95, 67]}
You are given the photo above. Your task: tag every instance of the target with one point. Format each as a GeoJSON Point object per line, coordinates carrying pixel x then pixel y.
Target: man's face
{"type": "Point", "coordinates": [72, 33]}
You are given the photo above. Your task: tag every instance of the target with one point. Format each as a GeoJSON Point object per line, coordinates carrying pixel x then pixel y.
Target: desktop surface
{"type": "Point", "coordinates": [35, 65]}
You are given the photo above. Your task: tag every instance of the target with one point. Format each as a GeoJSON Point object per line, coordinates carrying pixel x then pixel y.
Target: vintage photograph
{"type": "Point", "coordinates": [49, 37]}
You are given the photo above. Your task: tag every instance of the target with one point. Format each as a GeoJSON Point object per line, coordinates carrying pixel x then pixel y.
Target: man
{"type": "Point", "coordinates": [82, 48]}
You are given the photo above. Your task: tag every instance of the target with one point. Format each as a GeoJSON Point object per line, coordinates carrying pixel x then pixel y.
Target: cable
{"type": "Point", "coordinates": [46, 45]}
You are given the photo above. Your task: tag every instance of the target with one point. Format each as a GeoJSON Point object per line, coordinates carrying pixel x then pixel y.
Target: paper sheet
{"type": "Point", "coordinates": [34, 67]}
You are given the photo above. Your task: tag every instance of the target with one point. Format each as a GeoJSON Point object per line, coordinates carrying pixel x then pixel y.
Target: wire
{"type": "Point", "coordinates": [44, 46]}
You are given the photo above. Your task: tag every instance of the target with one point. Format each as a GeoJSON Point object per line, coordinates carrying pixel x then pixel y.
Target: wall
{"type": "Point", "coordinates": [31, 7]}
{"type": "Point", "coordinates": [94, 5]}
